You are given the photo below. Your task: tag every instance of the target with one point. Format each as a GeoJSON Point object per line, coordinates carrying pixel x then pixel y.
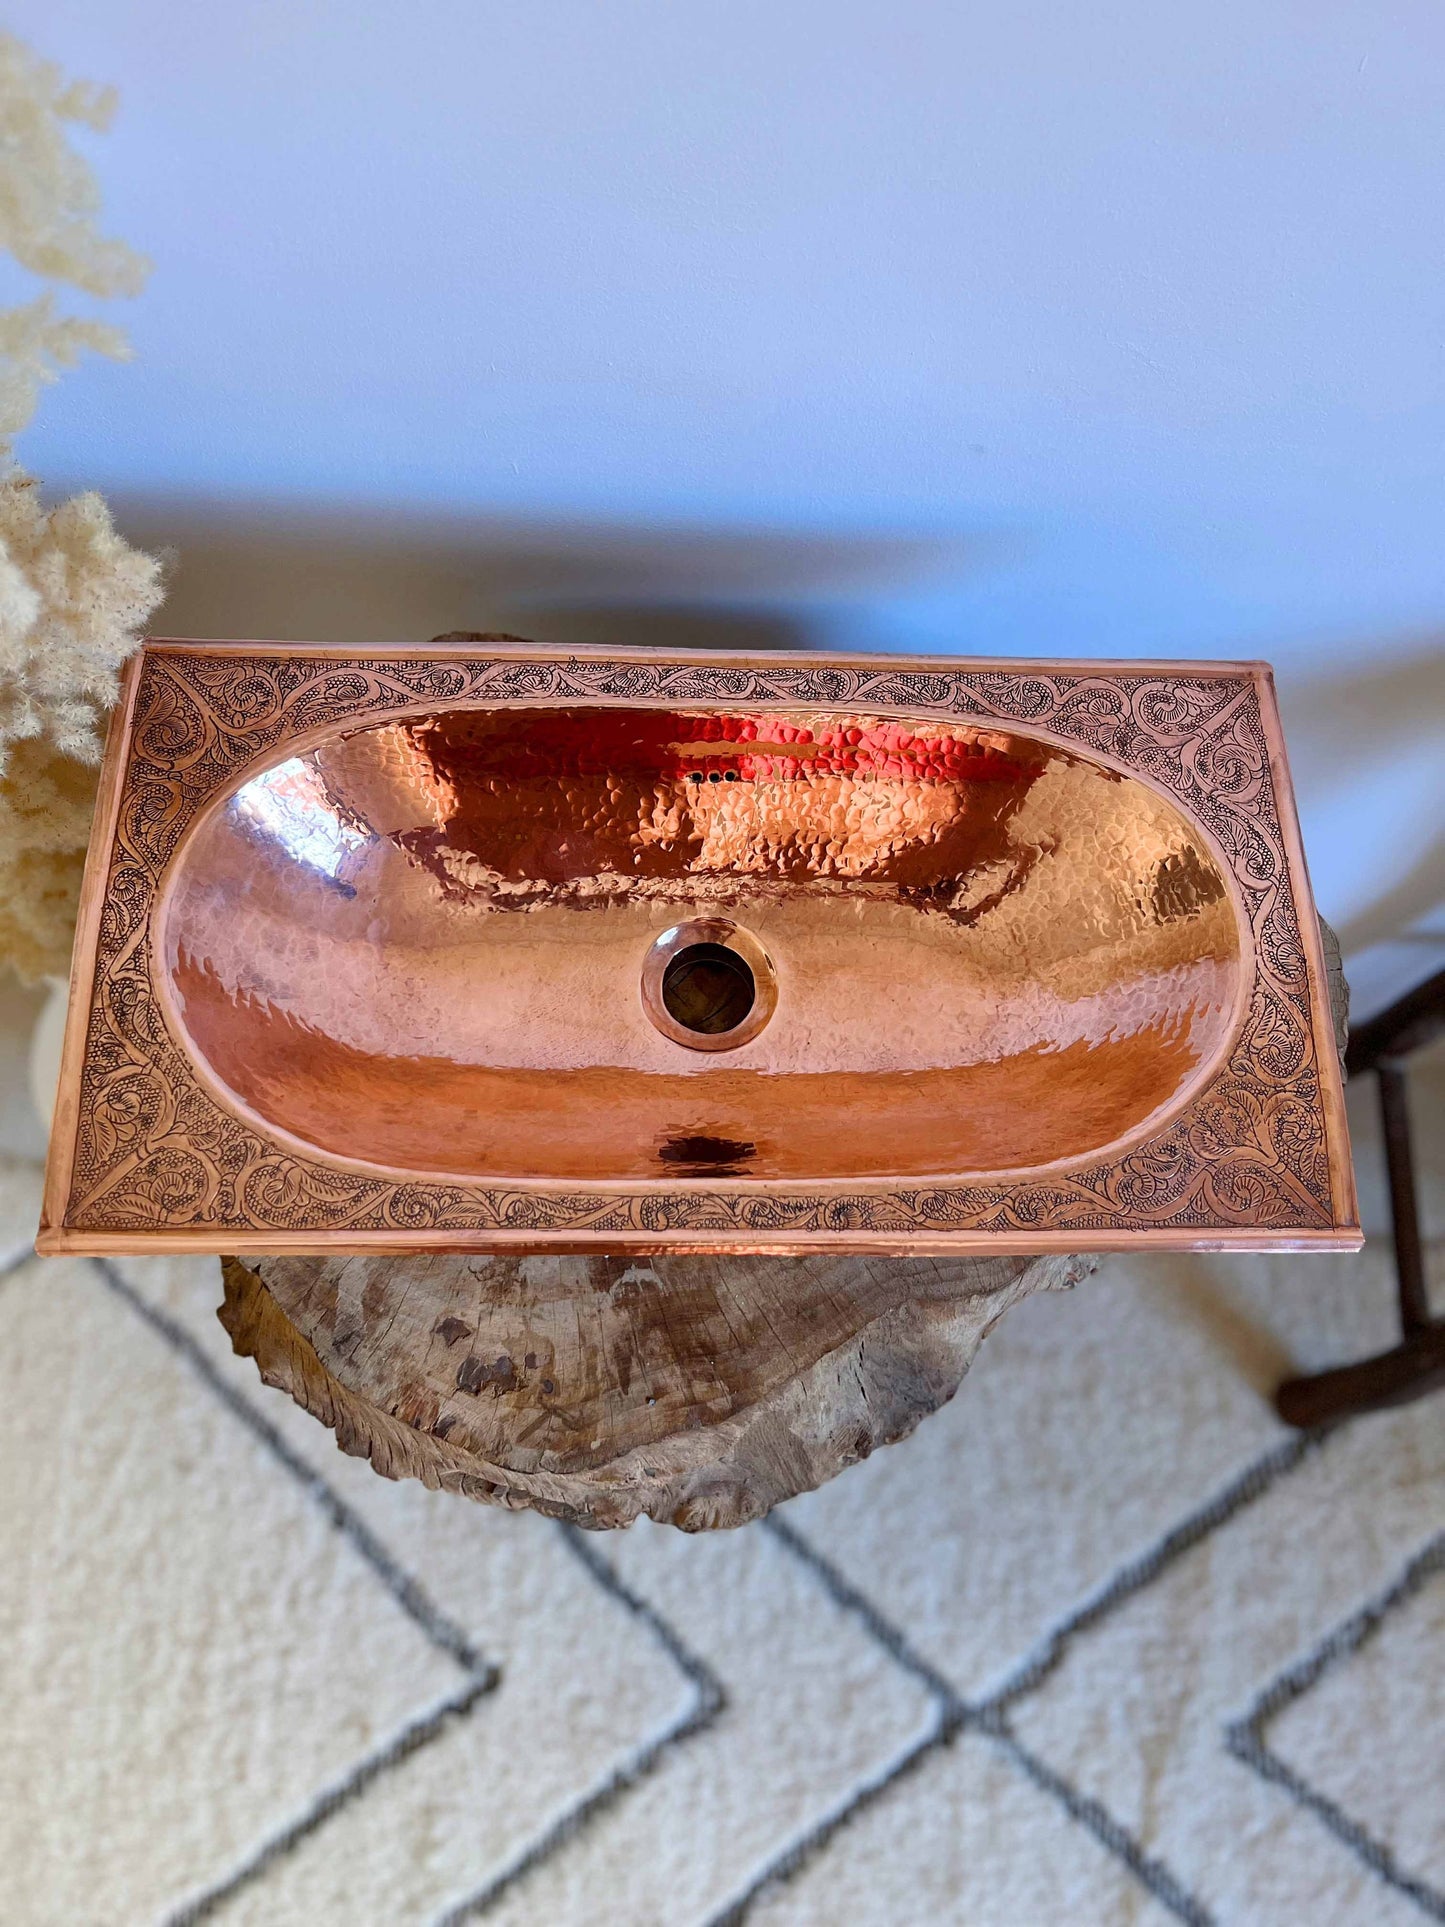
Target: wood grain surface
{"type": "Point", "coordinates": [700, 1391]}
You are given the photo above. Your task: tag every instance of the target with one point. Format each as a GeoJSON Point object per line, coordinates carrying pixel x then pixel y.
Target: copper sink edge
{"type": "Point", "coordinates": [1334, 1220]}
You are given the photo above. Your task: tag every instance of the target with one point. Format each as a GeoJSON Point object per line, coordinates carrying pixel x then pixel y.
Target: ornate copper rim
{"type": "Point", "coordinates": [1103, 1155]}
{"type": "Point", "coordinates": [144, 1155]}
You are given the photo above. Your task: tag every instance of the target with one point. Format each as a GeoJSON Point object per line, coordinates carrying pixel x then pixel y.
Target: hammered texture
{"type": "Point", "coordinates": [948, 814]}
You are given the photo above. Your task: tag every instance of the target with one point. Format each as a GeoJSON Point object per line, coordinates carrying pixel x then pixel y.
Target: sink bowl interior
{"type": "Point", "coordinates": [421, 946]}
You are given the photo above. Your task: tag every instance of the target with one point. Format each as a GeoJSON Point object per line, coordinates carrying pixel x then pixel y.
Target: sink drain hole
{"type": "Point", "coordinates": [708, 985]}
{"type": "Point", "coordinates": [708, 988]}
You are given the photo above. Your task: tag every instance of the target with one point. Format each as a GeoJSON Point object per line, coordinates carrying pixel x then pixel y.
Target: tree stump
{"type": "Point", "coordinates": [701, 1391]}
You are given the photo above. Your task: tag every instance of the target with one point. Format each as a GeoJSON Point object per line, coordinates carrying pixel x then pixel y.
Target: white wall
{"type": "Point", "coordinates": [1035, 327]}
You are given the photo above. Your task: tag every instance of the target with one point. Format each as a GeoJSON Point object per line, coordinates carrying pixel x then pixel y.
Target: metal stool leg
{"type": "Point", "coordinates": [1417, 1364]}
{"type": "Point", "coordinates": [1404, 1212]}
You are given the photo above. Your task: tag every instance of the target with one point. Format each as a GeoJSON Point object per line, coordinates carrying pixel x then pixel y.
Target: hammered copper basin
{"type": "Point", "coordinates": [449, 944]}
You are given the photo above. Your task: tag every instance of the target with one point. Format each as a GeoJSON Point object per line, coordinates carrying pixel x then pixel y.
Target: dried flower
{"type": "Point", "coordinates": [35, 344]}
{"type": "Point", "coordinates": [46, 803]}
{"type": "Point", "coordinates": [49, 196]}
{"type": "Point", "coordinates": [73, 594]}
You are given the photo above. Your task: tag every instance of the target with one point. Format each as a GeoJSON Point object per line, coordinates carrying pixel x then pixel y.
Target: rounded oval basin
{"type": "Point", "coordinates": [420, 945]}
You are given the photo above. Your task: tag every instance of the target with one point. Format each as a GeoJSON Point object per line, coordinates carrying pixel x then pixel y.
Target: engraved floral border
{"type": "Point", "coordinates": [153, 1151]}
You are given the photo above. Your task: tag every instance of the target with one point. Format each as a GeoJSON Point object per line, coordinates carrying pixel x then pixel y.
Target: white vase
{"type": "Point", "coordinates": [45, 1046]}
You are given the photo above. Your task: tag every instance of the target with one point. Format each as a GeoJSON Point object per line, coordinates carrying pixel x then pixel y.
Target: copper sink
{"type": "Point", "coordinates": [494, 947]}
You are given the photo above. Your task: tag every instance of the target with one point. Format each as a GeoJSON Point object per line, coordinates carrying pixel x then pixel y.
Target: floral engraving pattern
{"type": "Point", "coordinates": [155, 1151]}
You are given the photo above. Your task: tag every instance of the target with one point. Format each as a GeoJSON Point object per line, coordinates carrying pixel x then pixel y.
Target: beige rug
{"type": "Point", "coordinates": [1102, 1643]}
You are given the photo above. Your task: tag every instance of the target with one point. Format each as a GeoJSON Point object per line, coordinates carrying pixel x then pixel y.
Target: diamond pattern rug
{"type": "Point", "coordinates": [1102, 1643]}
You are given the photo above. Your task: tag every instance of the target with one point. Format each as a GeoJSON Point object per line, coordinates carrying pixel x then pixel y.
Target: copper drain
{"type": "Point", "coordinates": [708, 985]}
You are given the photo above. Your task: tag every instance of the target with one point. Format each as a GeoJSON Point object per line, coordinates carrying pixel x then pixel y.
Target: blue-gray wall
{"type": "Point", "coordinates": [1029, 327]}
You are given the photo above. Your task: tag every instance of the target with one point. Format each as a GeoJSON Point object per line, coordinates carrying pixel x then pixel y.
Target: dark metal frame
{"type": "Point", "coordinates": [1417, 1364]}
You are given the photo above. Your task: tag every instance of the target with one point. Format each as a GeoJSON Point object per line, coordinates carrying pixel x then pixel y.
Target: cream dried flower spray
{"type": "Point", "coordinates": [73, 594]}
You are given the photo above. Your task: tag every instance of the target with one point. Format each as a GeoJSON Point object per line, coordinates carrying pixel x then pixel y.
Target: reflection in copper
{"type": "Point", "coordinates": [419, 945]}
{"type": "Point", "coordinates": [291, 805]}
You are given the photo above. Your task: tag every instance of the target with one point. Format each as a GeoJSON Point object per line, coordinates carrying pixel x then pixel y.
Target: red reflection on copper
{"type": "Point", "coordinates": [548, 797]}
{"type": "Point", "coordinates": [989, 954]}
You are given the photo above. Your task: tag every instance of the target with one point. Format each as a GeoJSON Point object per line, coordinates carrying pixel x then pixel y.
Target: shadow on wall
{"type": "Point", "coordinates": [298, 575]}
{"type": "Point", "coordinates": [1365, 744]}
{"type": "Point", "coordinates": [1367, 751]}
